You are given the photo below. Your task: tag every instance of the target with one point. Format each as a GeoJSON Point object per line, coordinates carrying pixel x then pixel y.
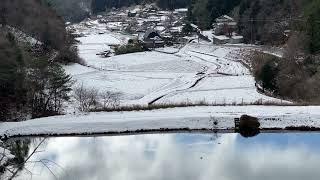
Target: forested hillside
{"type": "Point", "coordinates": [32, 83]}
{"type": "Point", "coordinates": [70, 10]}
{"type": "Point", "coordinates": [204, 12]}
{"type": "Point", "coordinates": [296, 75]}
{"type": "Point", "coordinates": [102, 5]}
{"type": "Point", "coordinates": [37, 21]}
{"type": "Point", "coordinates": [265, 21]}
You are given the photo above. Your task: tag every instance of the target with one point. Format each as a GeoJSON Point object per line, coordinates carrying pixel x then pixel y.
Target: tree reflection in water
{"type": "Point", "coordinates": [247, 133]}
{"type": "Point", "coordinates": [20, 149]}
{"type": "Point", "coordinates": [185, 156]}
{"type": "Point", "coordinates": [24, 149]}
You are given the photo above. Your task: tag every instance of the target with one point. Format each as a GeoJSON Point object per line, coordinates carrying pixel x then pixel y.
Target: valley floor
{"type": "Point", "coordinates": [189, 74]}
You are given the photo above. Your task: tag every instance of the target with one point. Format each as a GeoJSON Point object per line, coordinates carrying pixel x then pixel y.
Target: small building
{"type": "Point", "coordinates": [182, 11]}
{"type": "Point", "coordinates": [195, 28]}
{"type": "Point", "coordinates": [152, 39]}
{"type": "Point", "coordinates": [236, 39]}
{"type": "Point", "coordinates": [132, 14]}
{"type": "Point", "coordinates": [224, 25]}
{"type": "Point", "coordinates": [222, 39]}
{"type": "Point", "coordinates": [225, 31]}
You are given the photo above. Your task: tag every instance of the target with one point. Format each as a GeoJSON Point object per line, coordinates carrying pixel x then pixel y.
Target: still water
{"type": "Point", "coordinates": [293, 156]}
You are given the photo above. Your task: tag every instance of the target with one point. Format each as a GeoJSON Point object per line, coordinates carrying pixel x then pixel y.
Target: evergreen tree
{"type": "Point", "coordinates": [201, 14]}
{"type": "Point", "coordinates": [313, 28]}
{"type": "Point", "coordinates": [187, 29]}
{"type": "Point", "coordinates": [204, 12]}
{"type": "Point", "coordinates": [49, 86]}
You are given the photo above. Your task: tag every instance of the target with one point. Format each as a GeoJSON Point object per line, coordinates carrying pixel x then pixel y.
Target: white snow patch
{"type": "Point", "coordinates": [176, 118]}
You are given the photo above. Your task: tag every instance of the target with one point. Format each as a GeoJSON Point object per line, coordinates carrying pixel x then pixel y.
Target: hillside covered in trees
{"type": "Point", "coordinates": [70, 10]}
{"type": "Point", "coordinates": [204, 12]}
{"type": "Point", "coordinates": [296, 75]}
{"type": "Point", "coordinates": [102, 5]}
{"type": "Point", "coordinates": [33, 43]}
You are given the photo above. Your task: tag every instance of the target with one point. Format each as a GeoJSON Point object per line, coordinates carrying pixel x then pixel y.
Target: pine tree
{"type": "Point", "coordinates": [49, 87]}
{"type": "Point", "coordinates": [314, 27]}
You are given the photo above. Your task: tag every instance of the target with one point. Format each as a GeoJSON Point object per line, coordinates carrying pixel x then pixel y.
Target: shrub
{"type": "Point", "coordinates": [129, 48]}
{"type": "Point", "coordinates": [296, 76]}
{"type": "Point", "coordinates": [110, 99]}
{"type": "Point", "coordinates": [265, 70]}
{"type": "Point", "coordinates": [87, 98]}
{"type": "Point", "coordinates": [69, 55]}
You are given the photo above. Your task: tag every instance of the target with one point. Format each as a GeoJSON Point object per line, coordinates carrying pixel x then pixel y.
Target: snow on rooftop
{"type": "Point", "coordinates": [221, 37]}
{"type": "Point", "coordinates": [159, 28]}
{"type": "Point", "coordinates": [237, 37]}
{"type": "Point", "coordinates": [194, 26]}
{"type": "Point", "coordinates": [122, 14]}
{"type": "Point", "coordinates": [176, 29]}
{"type": "Point", "coordinates": [228, 17]}
{"type": "Point", "coordinates": [181, 10]}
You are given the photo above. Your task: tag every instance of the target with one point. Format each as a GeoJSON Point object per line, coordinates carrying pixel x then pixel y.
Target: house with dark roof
{"type": "Point", "coordinates": [152, 39]}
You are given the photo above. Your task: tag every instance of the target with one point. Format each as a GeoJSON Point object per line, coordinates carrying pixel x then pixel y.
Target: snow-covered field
{"type": "Point", "coordinates": [196, 72]}
{"type": "Point", "coordinates": [176, 118]}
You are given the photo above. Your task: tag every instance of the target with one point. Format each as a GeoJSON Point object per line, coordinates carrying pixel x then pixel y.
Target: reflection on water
{"type": "Point", "coordinates": [177, 156]}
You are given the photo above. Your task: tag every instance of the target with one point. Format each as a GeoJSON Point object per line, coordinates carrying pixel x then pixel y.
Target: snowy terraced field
{"type": "Point", "coordinates": [191, 74]}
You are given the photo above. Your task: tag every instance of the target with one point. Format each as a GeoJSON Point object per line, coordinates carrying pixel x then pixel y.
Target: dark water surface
{"type": "Point", "coordinates": [294, 156]}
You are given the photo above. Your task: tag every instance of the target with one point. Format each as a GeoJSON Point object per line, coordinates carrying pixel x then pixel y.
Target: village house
{"type": "Point", "coordinates": [181, 11]}
{"type": "Point", "coordinates": [152, 39]}
{"type": "Point", "coordinates": [224, 25]}
{"type": "Point", "coordinates": [132, 14]}
{"type": "Point", "coordinates": [225, 31]}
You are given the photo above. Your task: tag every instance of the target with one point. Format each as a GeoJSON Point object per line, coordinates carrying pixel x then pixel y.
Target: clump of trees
{"type": "Point", "coordinates": [70, 10]}
{"type": "Point", "coordinates": [89, 99]}
{"type": "Point", "coordinates": [265, 69]}
{"type": "Point", "coordinates": [312, 14]}
{"type": "Point", "coordinates": [265, 21]}
{"type": "Point", "coordinates": [12, 66]}
{"type": "Point", "coordinates": [204, 12]}
{"type": "Point", "coordinates": [48, 88]}
{"type": "Point", "coordinates": [295, 76]}
{"type": "Point", "coordinates": [32, 82]}
{"type": "Point", "coordinates": [102, 5]}
{"type": "Point", "coordinates": [173, 4]}
{"type": "Point", "coordinates": [131, 47]}
{"type": "Point", "coordinates": [29, 85]}
{"type": "Point", "coordinates": [37, 20]}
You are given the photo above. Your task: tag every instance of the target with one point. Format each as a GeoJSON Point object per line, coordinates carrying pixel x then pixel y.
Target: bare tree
{"type": "Point", "coordinates": [110, 99]}
{"type": "Point", "coordinates": [295, 49]}
{"type": "Point", "coordinates": [86, 97]}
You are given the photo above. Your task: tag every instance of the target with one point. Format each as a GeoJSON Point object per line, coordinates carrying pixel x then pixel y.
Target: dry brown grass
{"type": "Point", "coordinates": [188, 104]}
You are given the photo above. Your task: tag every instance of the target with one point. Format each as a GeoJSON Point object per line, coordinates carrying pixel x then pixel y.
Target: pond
{"type": "Point", "coordinates": [177, 156]}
